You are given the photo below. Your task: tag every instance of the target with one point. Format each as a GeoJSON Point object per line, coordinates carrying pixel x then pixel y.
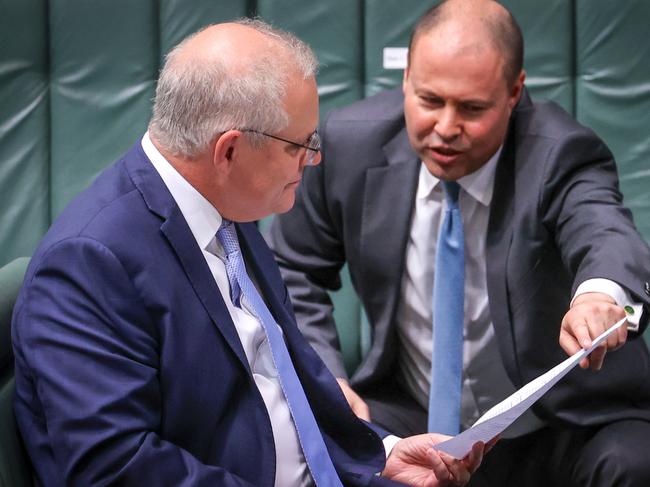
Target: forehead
{"type": "Point", "coordinates": [301, 104]}
{"type": "Point", "coordinates": [446, 60]}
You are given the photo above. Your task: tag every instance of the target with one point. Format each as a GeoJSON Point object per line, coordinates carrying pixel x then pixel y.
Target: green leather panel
{"type": "Point", "coordinates": [613, 90]}
{"type": "Point", "coordinates": [104, 58]}
{"type": "Point", "coordinates": [334, 30]}
{"type": "Point", "coordinates": [11, 278]}
{"type": "Point", "coordinates": [179, 18]}
{"type": "Point", "coordinates": [24, 127]}
{"type": "Point", "coordinates": [15, 470]}
{"type": "Point", "coordinates": [387, 24]}
{"type": "Point", "coordinates": [548, 36]}
{"type": "Point", "coordinates": [548, 48]}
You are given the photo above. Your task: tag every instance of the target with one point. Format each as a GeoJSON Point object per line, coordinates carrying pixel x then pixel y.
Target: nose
{"type": "Point", "coordinates": [447, 125]}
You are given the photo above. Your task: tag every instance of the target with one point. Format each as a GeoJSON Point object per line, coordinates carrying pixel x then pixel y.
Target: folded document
{"type": "Point", "coordinates": [498, 418]}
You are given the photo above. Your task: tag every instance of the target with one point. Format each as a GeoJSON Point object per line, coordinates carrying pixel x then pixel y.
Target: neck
{"type": "Point", "coordinates": [196, 171]}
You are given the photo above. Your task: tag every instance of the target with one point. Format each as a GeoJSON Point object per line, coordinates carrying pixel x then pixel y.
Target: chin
{"type": "Point", "coordinates": [447, 172]}
{"type": "Point", "coordinates": [286, 204]}
{"type": "Point", "coordinates": [436, 169]}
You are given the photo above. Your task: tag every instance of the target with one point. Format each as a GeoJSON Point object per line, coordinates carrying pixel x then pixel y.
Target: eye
{"type": "Point", "coordinates": [473, 108]}
{"type": "Point", "coordinates": [292, 150]}
{"type": "Point", "coordinates": [432, 101]}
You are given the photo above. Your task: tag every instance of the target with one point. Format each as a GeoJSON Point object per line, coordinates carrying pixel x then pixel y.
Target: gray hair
{"type": "Point", "coordinates": [196, 100]}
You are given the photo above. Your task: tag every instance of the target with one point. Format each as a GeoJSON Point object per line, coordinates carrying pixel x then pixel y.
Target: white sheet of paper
{"type": "Point", "coordinates": [502, 415]}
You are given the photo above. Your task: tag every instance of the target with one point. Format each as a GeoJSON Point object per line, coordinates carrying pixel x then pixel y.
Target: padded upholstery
{"type": "Point", "coordinates": [14, 465]}
{"type": "Point", "coordinates": [549, 64]}
{"type": "Point", "coordinates": [24, 127]}
{"type": "Point", "coordinates": [97, 95]}
{"type": "Point", "coordinates": [77, 77]}
{"type": "Point", "coordinates": [613, 90]}
{"type": "Point", "coordinates": [333, 29]}
{"type": "Point", "coordinates": [387, 24]}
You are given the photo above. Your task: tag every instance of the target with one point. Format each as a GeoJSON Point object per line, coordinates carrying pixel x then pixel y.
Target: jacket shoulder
{"type": "Point", "coordinates": [382, 107]}
{"type": "Point", "coordinates": [547, 119]}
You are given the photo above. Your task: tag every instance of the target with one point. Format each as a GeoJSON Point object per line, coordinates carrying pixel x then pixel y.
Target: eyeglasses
{"type": "Point", "coordinates": [312, 146]}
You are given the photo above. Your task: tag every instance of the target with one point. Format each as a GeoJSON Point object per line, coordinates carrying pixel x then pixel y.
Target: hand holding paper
{"type": "Point", "coordinates": [589, 315]}
{"type": "Point", "coordinates": [498, 418]}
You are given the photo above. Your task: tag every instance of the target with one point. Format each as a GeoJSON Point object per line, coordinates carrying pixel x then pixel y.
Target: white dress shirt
{"type": "Point", "coordinates": [485, 381]}
{"type": "Point", "coordinates": [204, 221]}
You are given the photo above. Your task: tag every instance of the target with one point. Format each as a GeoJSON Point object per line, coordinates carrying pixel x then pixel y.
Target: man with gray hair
{"type": "Point", "coordinates": [155, 341]}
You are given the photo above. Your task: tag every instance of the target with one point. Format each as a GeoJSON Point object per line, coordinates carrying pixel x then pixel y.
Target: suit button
{"type": "Point", "coordinates": [647, 288]}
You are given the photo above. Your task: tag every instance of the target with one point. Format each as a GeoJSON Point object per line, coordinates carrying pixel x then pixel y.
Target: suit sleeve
{"type": "Point", "coordinates": [92, 350]}
{"type": "Point", "coordinates": [310, 252]}
{"type": "Point", "coordinates": [592, 228]}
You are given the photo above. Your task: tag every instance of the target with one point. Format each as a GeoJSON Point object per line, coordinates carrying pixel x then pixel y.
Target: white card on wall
{"type": "Point", "coordinates": [395, 57]}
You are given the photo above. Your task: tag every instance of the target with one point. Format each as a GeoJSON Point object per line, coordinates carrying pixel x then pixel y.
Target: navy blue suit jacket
{"type": "Point", "coordinates": [129, 369]}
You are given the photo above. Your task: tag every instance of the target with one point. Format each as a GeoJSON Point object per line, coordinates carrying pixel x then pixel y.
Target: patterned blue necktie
{"type": "Point", "coordinates": [448, 301]}
{"type": "Point", "coordinates": [313, 446]}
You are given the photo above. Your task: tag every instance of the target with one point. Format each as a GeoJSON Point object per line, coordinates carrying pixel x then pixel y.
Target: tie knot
{"type": "Point", "coordinates": [227, 236]}
{"type": "Point", "coordinates": [452, 189]}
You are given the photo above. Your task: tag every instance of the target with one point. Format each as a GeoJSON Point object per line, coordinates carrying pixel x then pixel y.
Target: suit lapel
{"type": "Point", "coordinates": [319, 384]}
{"type": "Point", "coordinates": [388, 197]}
{"type": "Point", "coordinates": [334, 417]}
{"type": "Point", "coordinates": [498, 244]}
{"type": "Point", "coordinates": [179, 235]}
{"type": "Point", "coordinates": [336, 420]}
{"type": "Point", "coordinates": [263, 269]}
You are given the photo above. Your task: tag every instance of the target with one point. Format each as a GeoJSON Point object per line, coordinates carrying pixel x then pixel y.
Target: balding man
{"type": "Point", "coordinates": [548, 251]}
{"type": "Point", "coordinates": [155, 342]}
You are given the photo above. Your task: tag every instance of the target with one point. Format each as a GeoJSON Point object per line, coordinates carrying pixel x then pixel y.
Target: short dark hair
{"type": "Point", "coordinates": [504, 31]}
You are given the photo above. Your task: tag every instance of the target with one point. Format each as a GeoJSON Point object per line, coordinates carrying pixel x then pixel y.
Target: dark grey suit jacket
{"type": "Point", "coordinates": [556, 220]}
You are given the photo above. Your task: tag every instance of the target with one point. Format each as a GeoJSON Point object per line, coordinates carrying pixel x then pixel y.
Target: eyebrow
{"type": "Point", "coordinates": [469, 101]}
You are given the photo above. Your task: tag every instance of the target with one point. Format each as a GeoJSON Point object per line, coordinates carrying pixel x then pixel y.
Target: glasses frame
{"type": "Point", "coordinates": [312, 150]}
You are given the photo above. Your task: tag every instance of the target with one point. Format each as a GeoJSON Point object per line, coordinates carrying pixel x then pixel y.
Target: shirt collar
{"type": "Point", "coordinates": [203, 219]}
{"type": "Point", "coordinates": [479, 184]}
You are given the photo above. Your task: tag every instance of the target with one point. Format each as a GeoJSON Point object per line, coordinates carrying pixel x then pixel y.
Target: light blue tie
{"type": "Point", "coordinates": [448, 301]}
{"type": "Point", "coordinates": [313, 446]}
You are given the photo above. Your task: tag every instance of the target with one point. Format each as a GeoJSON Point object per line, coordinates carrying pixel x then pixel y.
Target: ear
{"type": "Point", "coordinates": [517, 88]}
{"type": "Point", "coordinates": [225, 149]}
{"type": "Point", "coordinates": [405, 78]}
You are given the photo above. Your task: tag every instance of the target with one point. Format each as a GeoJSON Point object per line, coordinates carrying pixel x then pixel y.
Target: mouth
{"type": "Point", "coordinates": [444, 154]}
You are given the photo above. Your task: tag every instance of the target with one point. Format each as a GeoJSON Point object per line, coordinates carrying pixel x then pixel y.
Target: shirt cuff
{"type": "Point", "coordinates": [617, 293]}
{"type": "Point", "coordinates": [389, 442]}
